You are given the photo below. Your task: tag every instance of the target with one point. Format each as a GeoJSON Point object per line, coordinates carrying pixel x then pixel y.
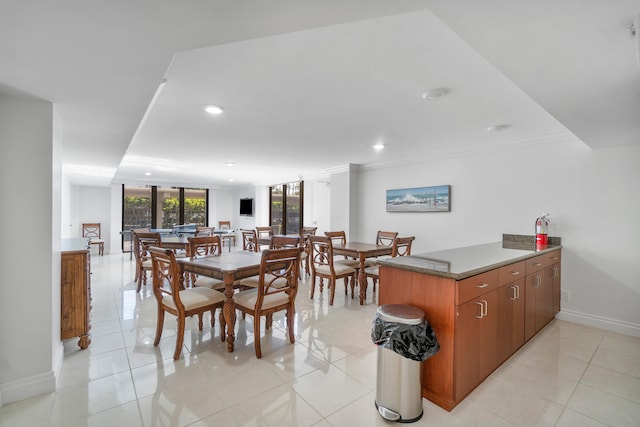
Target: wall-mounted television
{"type": "Point", "coordinates": [246, 207]}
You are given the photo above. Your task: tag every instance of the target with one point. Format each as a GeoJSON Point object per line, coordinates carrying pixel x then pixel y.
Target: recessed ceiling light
{"type": "Point", "coordinates": [213, 109]}
{"type": "Point", "coordinates": [147, 173]}
{"type": "Point", "coordinates": [498, 128]}
{"type": "Point", "coordinates": [230, 164]}
{"type": "Point", "coordinates": [379, 146]}
{"type": "Point", "coordinates": [434, 94]}
{"type": "Point", "coordinates": [231, 179]}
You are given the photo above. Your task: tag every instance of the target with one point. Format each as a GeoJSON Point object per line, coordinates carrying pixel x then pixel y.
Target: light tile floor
{"type": "Point", "coordinates": [568, 375]}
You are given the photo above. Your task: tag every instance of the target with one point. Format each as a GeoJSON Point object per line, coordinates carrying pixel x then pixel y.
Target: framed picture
{"type": "Point", "coordinates": [421, 199]}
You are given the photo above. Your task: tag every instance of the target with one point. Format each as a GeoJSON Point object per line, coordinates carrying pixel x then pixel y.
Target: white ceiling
{"type": "Point", "coordinates": [310, 86]}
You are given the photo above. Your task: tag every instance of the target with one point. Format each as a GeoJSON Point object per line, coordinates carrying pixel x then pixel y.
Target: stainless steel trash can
{"type": "Point", "coordinates": [398, 390]}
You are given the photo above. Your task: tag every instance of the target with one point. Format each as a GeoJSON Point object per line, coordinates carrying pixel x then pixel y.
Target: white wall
{"type": "Point", "coordinates": [592, 198]}
{"type": "Point", "coordinates": [317, 204]}
{"type": "Point", "coordinates": [260, 207]}
{"type": "Point", "coordinates": [94, 206]}
{"type": "Point", "coordinates": [27, 342]}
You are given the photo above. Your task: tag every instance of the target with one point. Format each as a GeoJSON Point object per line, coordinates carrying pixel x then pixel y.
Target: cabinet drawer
{"type": "Point", "coordinates": [542, 261]}
{"type": "Point", "coordinates": [475, 286]}
{"type": "Point", "coordinates": [511, 273]}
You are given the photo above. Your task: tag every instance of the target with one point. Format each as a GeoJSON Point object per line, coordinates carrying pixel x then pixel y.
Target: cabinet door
{"type": "Point", "coordinates": [510, 319]}
{"type": "Point", "coordinates": [532, 296]}
{"type": "Point", "coordinates": [475, 342]}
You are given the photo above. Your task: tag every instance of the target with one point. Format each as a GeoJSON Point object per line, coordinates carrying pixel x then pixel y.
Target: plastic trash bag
{"type": "Point", "coordinates": [415, 342]}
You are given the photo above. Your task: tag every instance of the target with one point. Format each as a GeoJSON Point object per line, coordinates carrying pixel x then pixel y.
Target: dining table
{"type": "Point", "coordinates": [361, 251]}
{"type": "Point", "coordinates": [227, 267]}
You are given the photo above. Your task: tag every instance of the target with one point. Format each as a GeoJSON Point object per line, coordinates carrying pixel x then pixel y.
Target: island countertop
{"type": "Point", "coordinates": [460, 263]}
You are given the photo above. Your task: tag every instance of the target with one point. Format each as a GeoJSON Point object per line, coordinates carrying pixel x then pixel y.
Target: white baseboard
{"type": "Point", "coordinates": [607, 324]}
{"type": "Point", "coordinates": [58, 358]}
{"type": "Point", "coordinates": [28, 387]}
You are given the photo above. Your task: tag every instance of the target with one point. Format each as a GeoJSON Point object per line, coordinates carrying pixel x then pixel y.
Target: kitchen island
{"type": "Point", "coordinates": [483, 302]}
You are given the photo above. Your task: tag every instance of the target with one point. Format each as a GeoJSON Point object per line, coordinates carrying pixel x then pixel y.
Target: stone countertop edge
{"type": "Point", "coordinates": [411, 263]}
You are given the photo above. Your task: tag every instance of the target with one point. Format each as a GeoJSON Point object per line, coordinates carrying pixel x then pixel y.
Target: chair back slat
{"type": "Point", "coordinates": [402, 246]}
{"type": "Point", "coordinates": [279, 272]}
{"type": "Point", "coordinates": [200, 246]}
{"type": "Point", "coordinates": [321, 250]}
{"type": "Point", "coordinates": [386, 238]}
{"type": "Point", "coordinates": [165, 275]}
{"type": "Point", "coordinates": [249, 240]}
{"type": "Point", "coordinates": [279, 242]}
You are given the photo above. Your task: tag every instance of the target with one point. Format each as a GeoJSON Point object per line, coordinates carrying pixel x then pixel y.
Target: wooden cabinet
{"type": "Point", "coordinates": [75, 295]}
{"type": "Point", "coordinates": [479, 321]}
{"type": "Point", "coordinates": [539, 294]}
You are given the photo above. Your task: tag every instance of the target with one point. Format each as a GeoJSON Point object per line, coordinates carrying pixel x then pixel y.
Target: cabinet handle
{"type": "Point", "coordinates": [518, 288]}
{"type": "Point", "coordinates": [481, 310]}
{"type": "Point", "coordinates": [555, 271]}
{"type": "Point", "coordinates": [486, 307]}
{"type": "Point", "coordinates": [537, 264]}
{"type": "Point", "coordinates": [538, 281]}
{"type": "Point", "coordinates": [515, 292]}
{"type": "Point", "coordinates": [515, 273]}
{"type": "Point", "coordinates": [484, 285]}
{"type": "Point", "coordinates": [555, 257]}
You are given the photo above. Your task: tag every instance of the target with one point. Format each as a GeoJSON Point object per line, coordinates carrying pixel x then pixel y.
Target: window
{"type": "Point", "coordinates": [195, 206]}
{"type": "Point", "coordinates": [162, 207]}
{"type": "Point", "coordinates": [286, 207]}
{"type": "Point", "coordinates": [168, 207]}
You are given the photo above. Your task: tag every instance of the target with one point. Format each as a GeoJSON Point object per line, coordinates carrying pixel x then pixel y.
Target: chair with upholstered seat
{"type": "Point", "coordinates": [323, 266]}
{"type": "Point", "coordinates": [249, 240]}
{"type": "Point", "coordinates": [401, 247]}
{"type": "Point", "coordinates": [383, 238]}
{"type": "Point", "coordinates": [277, 242]}
{"type": "Point", "coordinates": [340, 238]}
{"type": "Point", "coordinates": [227, 237]}
{"type": "Point", "coordinates": [141, 243]}
{"type": "Point", "coordinates": [182, 303]}
{"type": "Point", "coordinates": [92, 231]}
{"type": "Point", "coordinates": [278, 285]}
{"type": "Point", "coordinates": [204, 246]}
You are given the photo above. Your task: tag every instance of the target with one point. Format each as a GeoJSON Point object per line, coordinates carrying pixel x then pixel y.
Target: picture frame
{"type": "Point", "coordinates": [419, 199]}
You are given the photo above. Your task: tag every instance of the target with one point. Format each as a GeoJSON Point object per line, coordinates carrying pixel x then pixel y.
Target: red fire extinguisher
{"type": "Point", "coordinates": [542, 227]}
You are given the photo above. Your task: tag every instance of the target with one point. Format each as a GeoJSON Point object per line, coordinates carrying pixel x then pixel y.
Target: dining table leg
{"type": "Point", "coordinates": [362, 278]}
{"type": "Point", "coordinates": [229, 310]}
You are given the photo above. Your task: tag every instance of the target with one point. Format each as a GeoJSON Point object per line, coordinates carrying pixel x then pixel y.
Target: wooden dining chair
{"type": "Point", "coordinates": [249, 240]}
{"type": "Point", "coordinates": [323, 266]}
{"type": "Point", "coordinates": [182, 303]}
{"type": "Point", "coordinates": [278, 285]}
{"type": "Point", "coordinates": [263, 233]}
{"type": "Point", "coordinates": [92, 231]}
{"type": "Point", "coordinates": [340, 238]}
{"type": "Point", "coordinates": [401, 247]}
{"type": "Point", "coordinates": [141, 243]}
{"type": "Point", "coordinates": [205, 246]}
{"type": "Point", "coordinates": [383, 238]}
{"type": "Point", "coordinates": [227, 237]}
